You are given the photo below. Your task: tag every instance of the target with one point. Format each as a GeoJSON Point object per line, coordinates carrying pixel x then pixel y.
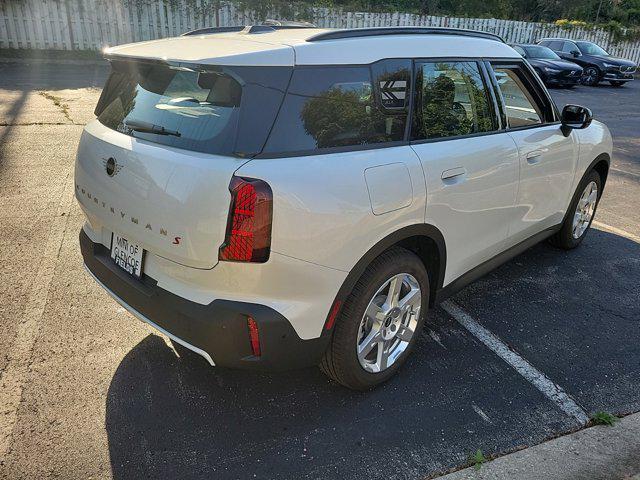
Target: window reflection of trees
{"type": "Point", "coordinates": [454, 101]}
{"type": "Point", "coordinates": [343, 116]}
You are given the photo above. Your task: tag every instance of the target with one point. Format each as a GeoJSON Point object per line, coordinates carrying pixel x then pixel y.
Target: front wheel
{"type": "Point", "coordinates": [591, 76]}
{"type": "Point", "coordinates": [581, 212]}
{"type": "Point", "coordinates": [379, 322]}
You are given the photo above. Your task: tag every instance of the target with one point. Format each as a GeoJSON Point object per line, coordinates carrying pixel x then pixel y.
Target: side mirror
{"type": "Point", "coordinates": [575, 53]}
{"type": "Point", "coordinates": [575, 117]}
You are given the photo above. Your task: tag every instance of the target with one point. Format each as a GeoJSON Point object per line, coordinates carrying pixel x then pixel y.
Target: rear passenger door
{"type": "Point", "coordinates": [547, 157]}
{"type": "Point", "coordinates": [470, 164]}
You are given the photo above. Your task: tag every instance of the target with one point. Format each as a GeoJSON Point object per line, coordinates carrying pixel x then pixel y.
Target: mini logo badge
{"type": "Point", "coordinates": [111, 166]}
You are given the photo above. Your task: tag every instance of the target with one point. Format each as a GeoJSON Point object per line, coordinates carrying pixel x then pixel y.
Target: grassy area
{"type": "Point", "coordinates": [27, 54]}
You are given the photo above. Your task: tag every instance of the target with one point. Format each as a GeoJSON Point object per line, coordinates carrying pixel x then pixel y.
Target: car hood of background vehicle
{"type": "Point", "coordinates": [614, 60]}
{"type": "Point", "coordinates": [557, 64]}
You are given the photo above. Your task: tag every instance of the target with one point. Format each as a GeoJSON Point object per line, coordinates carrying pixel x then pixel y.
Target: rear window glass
{"type": "Point", "coordinates": [328, 107]}
{"type": "Point", "coordinates": [211, 111]}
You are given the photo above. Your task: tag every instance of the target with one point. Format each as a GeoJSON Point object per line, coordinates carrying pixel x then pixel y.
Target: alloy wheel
{"type": "Point", "coordinates": [585, 209]}
{"type": "Point", "coordinates": [389, 322]}
{"type": "Point", "coordinates": [590, 76]}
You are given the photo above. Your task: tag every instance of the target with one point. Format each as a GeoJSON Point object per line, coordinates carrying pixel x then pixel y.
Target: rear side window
{"type": "Point", "coordinates": [330, 106]}
{"type": "Point", "coordinates": [452, 101]}
{"type": "Point", "coordinates": [222, 110]}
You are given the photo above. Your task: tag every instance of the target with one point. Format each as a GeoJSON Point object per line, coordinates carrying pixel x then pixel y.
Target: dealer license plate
{"type": "Point", "coordinates": [127, 255]}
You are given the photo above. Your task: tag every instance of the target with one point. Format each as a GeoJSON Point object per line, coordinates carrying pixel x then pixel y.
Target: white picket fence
{"type": "Point", "coordinates": [94, 24]}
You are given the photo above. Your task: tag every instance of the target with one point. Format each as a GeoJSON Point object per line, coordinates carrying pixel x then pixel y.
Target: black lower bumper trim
{"type": "Point", "coordinates": [219, 328]}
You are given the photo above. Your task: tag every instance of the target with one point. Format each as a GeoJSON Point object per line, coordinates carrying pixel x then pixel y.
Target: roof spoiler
{"type": "Point", "coordinates": [377, 31]}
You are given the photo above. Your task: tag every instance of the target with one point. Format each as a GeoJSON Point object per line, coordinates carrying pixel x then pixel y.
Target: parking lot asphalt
{"type": "Point", "coordinates": [87, 391]}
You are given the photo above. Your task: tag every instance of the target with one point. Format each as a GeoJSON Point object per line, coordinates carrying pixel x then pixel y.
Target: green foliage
{"type": "Point", "coordinates": [603, 418]}
{"type": "Point", "coordinates": [620, 17]}
{"type": "Point", "coordinates": [624, 12]}
{"type": "Point", "coordinates": [478, 459]}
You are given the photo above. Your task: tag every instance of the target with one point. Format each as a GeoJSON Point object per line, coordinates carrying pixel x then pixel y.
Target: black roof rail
{"type": "Point", "coordinates": [374, 32]}
{"type": "Point", "coordinates": [288, 23]}
{"type": "Point", "coordinates": [202, 31]}
{"type": "Point", "coordinates": [248, 28]}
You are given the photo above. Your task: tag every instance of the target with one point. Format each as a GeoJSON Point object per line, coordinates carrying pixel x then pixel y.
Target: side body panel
{"type": "Point", "coordinates": [331, 209]}
{"type": "Point", "coordinates": [594, 141]}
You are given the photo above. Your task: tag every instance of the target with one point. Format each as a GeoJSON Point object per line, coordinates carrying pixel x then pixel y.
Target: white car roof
{"type": "Point", "coordinates": [296, 46]}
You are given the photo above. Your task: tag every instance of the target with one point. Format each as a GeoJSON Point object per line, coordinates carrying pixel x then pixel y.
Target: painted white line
{"type": "Point", "coordinates": [15, 374]}
{"type": "Point", "coordinates": [623, 172]}
{"type": "Point", "coordinates": [617, 231]}
{"type": "Point", "coordinates": [538, 379]}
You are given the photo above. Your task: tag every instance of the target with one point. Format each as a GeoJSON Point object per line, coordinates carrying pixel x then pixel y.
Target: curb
{"type": "Point", "coordinates": [594, 453]}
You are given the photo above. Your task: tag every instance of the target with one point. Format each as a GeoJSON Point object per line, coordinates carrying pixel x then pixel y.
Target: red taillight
{"type": "Point", "coordinates": [254, 336]}
{"type": "Point", "coordinates": [248, 237]}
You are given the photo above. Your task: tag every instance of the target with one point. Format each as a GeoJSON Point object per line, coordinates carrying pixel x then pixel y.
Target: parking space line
{"type": "Point", "coordinates": [552, 391]}
{"type": "Point", "coordinates": [13, 378]}
{"type": "Point", "coordinates": [617, 231]}
{"type": "Point", "coordinates": [624, 173]}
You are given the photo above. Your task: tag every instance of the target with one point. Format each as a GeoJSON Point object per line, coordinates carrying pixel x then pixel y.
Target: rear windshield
{"type": "Point", "coordinates": [220, 110]}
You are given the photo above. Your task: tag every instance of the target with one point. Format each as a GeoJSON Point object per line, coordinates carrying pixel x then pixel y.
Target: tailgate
{"type": "Point", "coordinates": [173, 202]}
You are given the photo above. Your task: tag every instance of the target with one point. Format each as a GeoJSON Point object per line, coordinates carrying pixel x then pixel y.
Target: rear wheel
{"type": "Point", "coordinates": [581, 212]}
{"type": "Point", "coordinates": [615, 83]}
{"type": "Point", "coordinates": [379, 322]}
{"type": "Point", "coordinates": [591, 76]}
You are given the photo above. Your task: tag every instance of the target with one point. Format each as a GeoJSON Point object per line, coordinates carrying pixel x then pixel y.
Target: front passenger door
{"type": "Point", "coordinates": [547, 157]}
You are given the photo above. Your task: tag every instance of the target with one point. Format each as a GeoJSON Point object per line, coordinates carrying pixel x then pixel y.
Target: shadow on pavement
{"type": "Point", "coordinates": [172, 418]}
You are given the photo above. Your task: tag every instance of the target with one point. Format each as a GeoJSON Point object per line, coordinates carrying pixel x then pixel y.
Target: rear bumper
{"type": "Point", "coordinates": [217, 331]}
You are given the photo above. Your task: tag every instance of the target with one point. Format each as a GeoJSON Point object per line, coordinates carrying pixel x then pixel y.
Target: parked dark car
{"type": "Point", "coordinates": [598, 65]}
{"type": "Point", "coordinates": [550, 67]}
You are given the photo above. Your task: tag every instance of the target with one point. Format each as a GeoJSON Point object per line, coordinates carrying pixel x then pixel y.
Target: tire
{"type": "Point", "coordinates": [591, 76]}
{"type": "Point", "coordinates": [341, 361]}
{"type": "Point", "coordinates": [615, 83]}
{"type": "Point", "coordinates": [569, 237]}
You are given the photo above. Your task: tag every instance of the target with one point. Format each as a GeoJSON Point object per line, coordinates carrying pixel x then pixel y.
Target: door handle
{"type": "Point", "coordinates": [534, 156]}
{"type": "Point", "coordinates": [454, 175]}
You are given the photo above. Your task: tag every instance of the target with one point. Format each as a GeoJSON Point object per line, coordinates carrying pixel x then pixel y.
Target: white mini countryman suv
{"type": "Point", "coordinates": [273, 197]}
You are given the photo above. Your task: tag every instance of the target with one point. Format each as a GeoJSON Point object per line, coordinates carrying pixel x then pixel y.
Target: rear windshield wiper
{"type": "Point", "coordinates": [146, 127]}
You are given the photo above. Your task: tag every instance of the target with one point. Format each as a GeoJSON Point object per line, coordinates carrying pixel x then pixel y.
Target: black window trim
{"type": "Point", "coordinates": [539, 91]}
{"type": "Point", "coordinates": [496, 111]}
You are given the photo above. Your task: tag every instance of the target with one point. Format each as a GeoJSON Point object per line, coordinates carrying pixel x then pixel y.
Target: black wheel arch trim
{"type": "Point", "coordinates": [417, 230]}
{"type": "Point", "coordinates": [603, 157]}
